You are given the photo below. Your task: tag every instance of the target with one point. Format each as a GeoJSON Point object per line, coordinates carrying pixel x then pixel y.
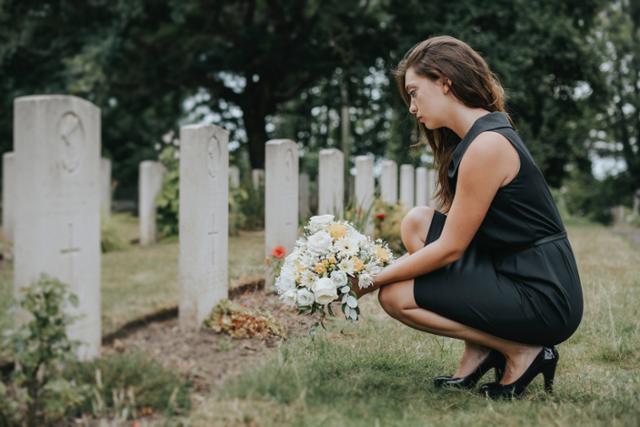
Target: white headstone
{"type": "Point", "coordinates": [281, 197]}
{"type": "Point", "coordinates": [303, 193]}
{"type": "Point", "coordinates": [8, 195]}
{"type": "Point", "coordinates": [150, 184]}
{"type": "Point", "coordinates": [331, 182]}
{"type": "Point", "coordinates": [57, 215]}
{"type": "Point", "coordinates": [389, 182]}
{"type": "Point", "coordinates": [105, 183]}
{"type": "Point", "coordinates": [257, 178]}
{"type": "Point", "coordinates": [204, 221]}
{"type": "Point", "coordinates": [422, 186]}
{"type": "Point", "coordinates": [234, 176]}
{"type": "Point", "coordinates": [406, 186]}
{"type": "Point", "coordinates": [364, 187]}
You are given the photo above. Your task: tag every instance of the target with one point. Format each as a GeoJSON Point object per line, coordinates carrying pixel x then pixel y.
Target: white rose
{"type": "Point", "coordinates": [285, 282]}
{"type": "Point", "coordinates": [304, 297]}
{"type": "Point", "coordinates": [289, 297]}
{"type": "Point", "coordinates": [319, 221]}
{"type": "Point", "coordinates": [339, 278]}
{"type": "Point", "coordinates": [325, 291]}
{"type": "Point", "coordinates": [320, 241]}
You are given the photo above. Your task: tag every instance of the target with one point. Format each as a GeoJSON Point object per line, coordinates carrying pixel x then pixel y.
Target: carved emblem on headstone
{"type": "Point", "coordinates": [72, 137]}
{"type": "Point", "coordinates": [214, 154]}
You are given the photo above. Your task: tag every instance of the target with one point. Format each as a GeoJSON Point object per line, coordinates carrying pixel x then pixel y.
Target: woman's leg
{"type": "Point", "coordinates": [397, 300]}
{"type": "Point", "coordinates": [413, 231]}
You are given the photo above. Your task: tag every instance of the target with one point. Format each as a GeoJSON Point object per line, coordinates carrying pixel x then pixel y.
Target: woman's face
{"type": "Point", "coordinates": [429, 102]}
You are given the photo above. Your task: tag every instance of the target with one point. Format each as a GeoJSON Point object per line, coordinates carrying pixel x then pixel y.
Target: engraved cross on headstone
{"type": "Point", "coordinates": [70, 250]}
{"type": "Point", "coordinates": [213, 233]}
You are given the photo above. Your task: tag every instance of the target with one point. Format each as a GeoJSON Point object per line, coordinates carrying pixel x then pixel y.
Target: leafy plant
{"type": "Point", "coordinates": [356, 214]}
{"type": "Point", "coordinates": [387, 219]}
{"type": "Point", "coordinates": [110, 239]}
{"type": "Point", "coordinates": [167, 201]}
{"type": "Point", "coordinates": [37, 393]}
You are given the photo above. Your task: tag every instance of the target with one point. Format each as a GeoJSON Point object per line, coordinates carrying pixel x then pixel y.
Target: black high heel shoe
{"type": "Point", "coordinates": [545, 362]}
{"type": "Point", "coordinates": [494, 359]}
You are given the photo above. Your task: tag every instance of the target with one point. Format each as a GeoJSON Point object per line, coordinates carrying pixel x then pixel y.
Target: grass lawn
{"type": "Point", "coordinates": [379, 372]}
{"type": "Point", "coordinates": [137, 281]}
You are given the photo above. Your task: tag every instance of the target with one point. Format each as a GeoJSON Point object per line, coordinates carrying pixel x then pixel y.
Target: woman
{"type": "Point", "coordinates": [496, 271]}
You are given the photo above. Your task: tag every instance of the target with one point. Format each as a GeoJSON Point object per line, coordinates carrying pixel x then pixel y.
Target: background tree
{"type": "Point", "coordinates": [266, 68]}
{"type": "Point", "coordinates": [617, 130]}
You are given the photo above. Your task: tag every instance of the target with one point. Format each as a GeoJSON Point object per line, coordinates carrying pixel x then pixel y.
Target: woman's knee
{"type": "Point", "coordinates": [385, 298]}
{"type": "Point", "coordinates": [414, 227]}
{"type": "Point", "coordinates": [393, 298]}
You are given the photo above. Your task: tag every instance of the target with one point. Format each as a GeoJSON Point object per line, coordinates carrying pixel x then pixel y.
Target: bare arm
{"type": "Point", "coordinates": [485, 167]}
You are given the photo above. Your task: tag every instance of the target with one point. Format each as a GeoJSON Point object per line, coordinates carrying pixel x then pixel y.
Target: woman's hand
{"type": "Point", "coordinates": [355, 287]}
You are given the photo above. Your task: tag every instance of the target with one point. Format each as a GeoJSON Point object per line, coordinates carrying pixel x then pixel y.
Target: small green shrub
{"type": "Point", "coordinates": [110, 239]}
{"type": "Point", "coordinates": [247, 206]}
{"type": "Point", "coordinates": [167, 201]}
{"type": "Point", "coordinates": [37, 394]}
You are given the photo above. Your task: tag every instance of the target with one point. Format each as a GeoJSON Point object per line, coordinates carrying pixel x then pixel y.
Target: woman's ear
{"type": "Point", "coordinates": [446, 85]}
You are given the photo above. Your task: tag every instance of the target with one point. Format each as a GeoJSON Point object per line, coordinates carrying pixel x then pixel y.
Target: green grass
{"type": "Point", "coordinates": [151, 385]}
{"type": "Point", "coordinates": [140, 280]}
{"type": "Point", "coordinates": [380, 372]}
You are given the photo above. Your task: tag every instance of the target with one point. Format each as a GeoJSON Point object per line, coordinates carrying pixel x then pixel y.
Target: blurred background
{"type": "Point", "coordinates": [319, 72]}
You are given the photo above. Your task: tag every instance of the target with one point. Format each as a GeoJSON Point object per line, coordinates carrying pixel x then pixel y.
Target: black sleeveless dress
{"type": "Point", "coordinates": [518, 278]}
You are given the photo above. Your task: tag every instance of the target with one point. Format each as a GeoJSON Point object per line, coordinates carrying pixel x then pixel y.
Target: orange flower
{"type": "Point", "coordinates": [278, 252]}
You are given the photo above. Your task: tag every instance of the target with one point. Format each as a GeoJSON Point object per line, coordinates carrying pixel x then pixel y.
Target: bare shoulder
{"type": "Point", "coordinates": [493, 154]}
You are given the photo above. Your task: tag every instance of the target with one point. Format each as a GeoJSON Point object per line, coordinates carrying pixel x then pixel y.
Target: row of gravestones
{"type": "Point", "coordinates": [57, 180]}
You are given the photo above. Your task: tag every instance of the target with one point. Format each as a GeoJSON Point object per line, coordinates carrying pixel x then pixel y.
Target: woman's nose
{"type": "Point", "coordinates": [413, 109]}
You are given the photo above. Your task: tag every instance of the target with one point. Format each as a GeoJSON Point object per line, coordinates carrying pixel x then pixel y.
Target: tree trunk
{"type": "Point", "coordinates": [259, 103]}
{"type": "Point", "coordinates": [254, 123]}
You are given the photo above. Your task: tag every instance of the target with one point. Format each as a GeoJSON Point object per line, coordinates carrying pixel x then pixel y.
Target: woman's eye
{"type": "Point", "coordinates": [412, 94]}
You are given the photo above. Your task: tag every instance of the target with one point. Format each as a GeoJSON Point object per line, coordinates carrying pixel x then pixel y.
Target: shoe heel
{"type": "Point", "coordinates": [549, 373]}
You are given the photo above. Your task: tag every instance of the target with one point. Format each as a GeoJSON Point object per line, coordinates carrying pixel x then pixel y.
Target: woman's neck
{"type": "Point", "coordinates": [463, 118]}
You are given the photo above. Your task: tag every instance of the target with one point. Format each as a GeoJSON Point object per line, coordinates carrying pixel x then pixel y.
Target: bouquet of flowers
{"type": "Point", "coordinates": [317, 271]}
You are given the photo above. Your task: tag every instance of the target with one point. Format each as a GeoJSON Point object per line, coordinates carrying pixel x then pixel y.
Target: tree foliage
{"type": "Point", "coordinates": [277, 68]}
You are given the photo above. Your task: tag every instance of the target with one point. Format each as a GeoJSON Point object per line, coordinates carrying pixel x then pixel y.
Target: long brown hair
{"type": "Point", "coordinates": [471, 81]}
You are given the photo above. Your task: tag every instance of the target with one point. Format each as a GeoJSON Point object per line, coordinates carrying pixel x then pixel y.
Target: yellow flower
{"type": "Point", "coordinates": [357, 264]}
{"type": "Point", "coordinates": [332, 260]}
{"type": "Point", "coordinates": [337, 230]}
{"type": "Point", "coordinates": [319, 268]}
{"type": "Point", "coordinates": [382, 253]}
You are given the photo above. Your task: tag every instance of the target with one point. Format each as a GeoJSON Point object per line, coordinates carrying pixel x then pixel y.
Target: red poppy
{"type": "Point", "coordinates": [380, 216]}
{"type": "Point", "coordinates": [278, 252]}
